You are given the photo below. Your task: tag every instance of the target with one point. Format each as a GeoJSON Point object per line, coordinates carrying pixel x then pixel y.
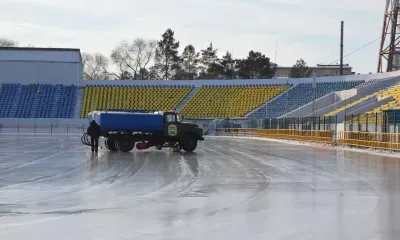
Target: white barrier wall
{"type": "Point", "coordinates": [310, 108]}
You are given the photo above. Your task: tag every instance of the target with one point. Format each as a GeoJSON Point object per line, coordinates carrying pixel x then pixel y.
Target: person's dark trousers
{"type": "Point", "coordinates": [94, 142]}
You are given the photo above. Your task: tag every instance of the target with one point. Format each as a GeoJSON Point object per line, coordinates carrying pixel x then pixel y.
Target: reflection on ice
{"type": "Point", "coordinates": [227, 189]}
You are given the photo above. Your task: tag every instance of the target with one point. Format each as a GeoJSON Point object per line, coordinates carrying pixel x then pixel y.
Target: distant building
{"type": "Point", "coordinates": [40, 65]}
{"type": "Point", "coordinates": [320, 70]}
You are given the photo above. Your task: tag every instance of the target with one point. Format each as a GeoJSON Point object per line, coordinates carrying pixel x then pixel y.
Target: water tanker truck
{"type": "Point", "coordinates": [122, 130]}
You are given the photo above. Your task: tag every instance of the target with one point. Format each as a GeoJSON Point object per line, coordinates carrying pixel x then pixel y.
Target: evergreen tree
{"type": "Point", "coordinates": [190, 61]}
{"type": "Point", "coordinates": [300, 70]}
{"type": "Point", "coordinates": [209, 56]}
{"type": "Point", "coordinates": [211, 68]}
{"type": "Point", "coordinates": [178, 71]}
{"type": "Point", "coordinates": [143, 74]}
{"type": "Point", "coordinates": [255, 66]}
{"type": "Point", "coordinates": [166, 57]}
{"type": "Point", "coordinates": [228, 65]}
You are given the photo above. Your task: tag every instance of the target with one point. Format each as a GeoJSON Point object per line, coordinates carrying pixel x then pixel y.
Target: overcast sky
{"type": "Point", "coordinates": [308, 29]}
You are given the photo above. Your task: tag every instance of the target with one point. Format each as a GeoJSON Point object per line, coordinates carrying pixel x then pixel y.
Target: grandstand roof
{"type": "Point", "coordinates": [40, 49]}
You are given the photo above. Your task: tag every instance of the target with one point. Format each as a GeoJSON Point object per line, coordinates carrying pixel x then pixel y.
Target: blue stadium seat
{"type": "Point", "coordinates": [37, 101]}
{"type": "Point", "coordinates": [8, 97]}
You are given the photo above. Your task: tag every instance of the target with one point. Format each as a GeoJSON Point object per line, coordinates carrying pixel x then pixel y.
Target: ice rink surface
{"type": "Point", "coordinates": [54, 188]}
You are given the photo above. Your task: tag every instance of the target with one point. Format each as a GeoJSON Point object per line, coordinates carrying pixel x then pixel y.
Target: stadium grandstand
{"type": "Point", "coordinates": [145, 97]}
{"type": "Point", "coordinates": [229, 101]}
{"type": "Point", "coordinates": [45, 83]}
{"type": "Point", "coordinates": [393, 91]}
{"type": "Point", "coordinates": [37, 101]}
{"type": "Point", "coordinates": [392, 94]}
{"type": "Point", "coordinates": [300, 95]}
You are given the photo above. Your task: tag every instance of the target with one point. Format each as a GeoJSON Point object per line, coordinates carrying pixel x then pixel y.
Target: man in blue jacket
{"type": "Point", "coordinates": [94, 132]}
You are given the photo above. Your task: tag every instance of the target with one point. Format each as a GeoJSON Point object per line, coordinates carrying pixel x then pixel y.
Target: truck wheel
{"type": "Point", "coordinates": [189, 143]}
{"type": "Point", "coordinates": [110, 144]}
{"type": "Point", "coordinates": [125, 143]}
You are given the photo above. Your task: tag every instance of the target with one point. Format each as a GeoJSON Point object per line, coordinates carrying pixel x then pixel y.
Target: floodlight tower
{"type": "Point", "coordinates": [390, 41]}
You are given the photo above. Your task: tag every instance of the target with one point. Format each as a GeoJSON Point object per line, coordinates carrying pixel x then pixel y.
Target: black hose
{"type": "Point", "coordinates": [85, 139]}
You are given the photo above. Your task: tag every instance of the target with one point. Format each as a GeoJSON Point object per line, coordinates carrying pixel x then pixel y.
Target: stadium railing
{"type": "Point", "coordinates": [378, 131]}
{"type": "Point", "coordinates": [385, 122]}
{"type": "Point", "coordinates": [387, 141]}
{"type": "Point", "coordinates": [374, 140]}
{"type": "Point", "coordinates": [324, 136]}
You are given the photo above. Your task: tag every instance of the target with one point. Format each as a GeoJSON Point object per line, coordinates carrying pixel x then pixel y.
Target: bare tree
{"type": "Point", "coordinates": [134, 57]}
{"type": "Point", "coordinates": [5, 42]}
{"type": "Point", "coordinates": [95, 66]}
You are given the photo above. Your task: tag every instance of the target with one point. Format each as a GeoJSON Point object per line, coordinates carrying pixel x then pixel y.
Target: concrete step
{"type": "Point", "coordinates": [187, 98]}
{"type": "Point", "coordinates": [79, 101]}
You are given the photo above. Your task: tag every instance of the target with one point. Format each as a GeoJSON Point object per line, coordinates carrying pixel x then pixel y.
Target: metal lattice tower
{"type": "Point", "coordinates": [390, 42]}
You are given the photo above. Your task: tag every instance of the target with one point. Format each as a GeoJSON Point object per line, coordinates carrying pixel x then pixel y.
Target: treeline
{"type": "Point", "coordinates": [160, 60]}
{"type": "Point", "coordinates": [5, 42]}
{"type": "Point", "coordinates": [142, 59]}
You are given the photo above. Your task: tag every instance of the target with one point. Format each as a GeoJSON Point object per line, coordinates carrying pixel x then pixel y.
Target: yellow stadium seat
{"type": "Point", "coordinates": [132, 97]}
{"type": "Point", "coordinates": [228, 101]}
{"type": "Point", "coordinates": [393, 92]}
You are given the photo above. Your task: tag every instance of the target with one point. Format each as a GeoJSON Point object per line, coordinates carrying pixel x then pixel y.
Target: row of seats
{"type": "Point", "coordinates": [37, 101]}
{"type": "Point", "coordinates": [350, 105]}
{"type": "Point", "coordinates": [381, 93]}
{"type": "Point", "coordinates": [392, 105]}
{"type": "Point", "coordinates": [220, 101]}
{"type": "Point", "coordinates": [145, 86]}
{"type": "Point", "coordinates": [132, 97]}
{"type": "Point", "coordinates": [8, 96]}
{"type": "Point", "coordinates": [229, 102]}
{"type": "Point", "coordinates": [369, 82]}
{"type": "Point", "coordinates": [299, 96]}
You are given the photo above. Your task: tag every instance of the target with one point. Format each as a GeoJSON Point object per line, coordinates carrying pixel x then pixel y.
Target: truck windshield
{"type": "Point", "coordinates": [171, 118]}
